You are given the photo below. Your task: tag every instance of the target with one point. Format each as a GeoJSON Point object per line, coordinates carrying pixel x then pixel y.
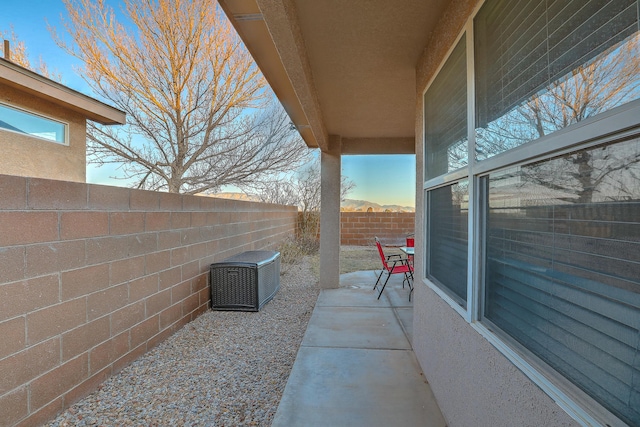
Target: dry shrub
{"type": "Point", "coordinates": [308, 233]}
{"type": "Point", "coordinates": [290, 251]}
{"type": "Point", "coordinates": [306, 241]}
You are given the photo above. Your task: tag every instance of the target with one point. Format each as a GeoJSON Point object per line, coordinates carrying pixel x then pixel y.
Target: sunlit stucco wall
{"type": "Point", "coordinates": [23, 155]}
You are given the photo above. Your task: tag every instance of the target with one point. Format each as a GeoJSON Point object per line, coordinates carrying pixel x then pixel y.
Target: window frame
{"type": "Point", "coordinates": [564, 392]}
{"type": "Point", "coordinates": [438, 287]}
{"type": "Point", "coordinates": [619, 123]}
{"type": "Point", "coordinates": [459, 173]}
{"type": "Point", "coordinates": [449, 178]}
{"type": "Point", "coordinates": [29, 112]}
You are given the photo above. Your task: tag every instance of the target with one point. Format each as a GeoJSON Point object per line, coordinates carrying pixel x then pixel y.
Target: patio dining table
{"type": "Point", "coordinates": [407, 250]}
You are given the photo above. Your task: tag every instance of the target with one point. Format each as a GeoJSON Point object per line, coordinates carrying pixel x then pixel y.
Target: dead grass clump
{"type": "Point", "coordinates": [293, 250]}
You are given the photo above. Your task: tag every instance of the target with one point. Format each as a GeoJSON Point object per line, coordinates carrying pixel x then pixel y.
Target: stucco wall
{"type": "Point", "coordinates": [23, 155]}
{"type": "Point", "coordinates": [92, 277]}
{"type": "Point", "coordinates": [474, 384]}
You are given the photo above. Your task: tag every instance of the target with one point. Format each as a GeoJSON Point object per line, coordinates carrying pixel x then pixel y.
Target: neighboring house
{"type": "Point", "coordinates": [524, 117]}
{"type": "Point", "coordinates": [43, 125]}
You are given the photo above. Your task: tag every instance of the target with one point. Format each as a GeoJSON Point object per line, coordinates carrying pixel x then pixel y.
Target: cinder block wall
{"type": "Point", "coordinates": [92, 277]}
{"type": "Point", "coordinates": [359, 228]}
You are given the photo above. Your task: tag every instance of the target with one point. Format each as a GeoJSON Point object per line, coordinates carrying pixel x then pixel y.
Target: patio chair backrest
{"type": "Point", "coordinates": [381, 252]}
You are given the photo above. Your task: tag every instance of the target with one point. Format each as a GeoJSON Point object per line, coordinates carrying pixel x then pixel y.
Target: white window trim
{"type": "Point", "coordinates": [615, 124]}
{"type": "Point", "coordinates": [605, 127]}
{"type": "Point", "coordinates": [37, 114]}
{"type": "Point", "coordinates": [474, 243]}
{"type": "Point", "coordinates": [578, 404]}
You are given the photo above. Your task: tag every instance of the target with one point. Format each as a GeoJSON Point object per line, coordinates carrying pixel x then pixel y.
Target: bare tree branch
{"type": "Point", "coordinates": [607, 81]}
{"type": "Point", "coordinates": [301, 189]}
{"type": "Point", "coordinates": [20, 56]}
{"type": "Point", "coordinates": [199, 115]}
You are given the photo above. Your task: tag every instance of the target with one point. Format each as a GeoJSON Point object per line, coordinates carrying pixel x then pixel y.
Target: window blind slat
{"type": "Point", "coordinates": [576, 49]}
{"type": "Point", "coordinates": [448, 238]}
{"type": "Point", "coordinates": [610, 390]}
{"type": "Point", "coordinates": [562, 276]}
{"type": "Point", "coordinates": [445, 105]}
{"type": "Point", "coordinates": [542, 323]}
{"type": "Point", "coordinates": [559, 36]}
{"type": "Point", "coordinates": [617, 318]}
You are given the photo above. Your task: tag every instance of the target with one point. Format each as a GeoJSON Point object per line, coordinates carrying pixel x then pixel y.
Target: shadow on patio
{"type": "Point", "coordinates": [355, 365]}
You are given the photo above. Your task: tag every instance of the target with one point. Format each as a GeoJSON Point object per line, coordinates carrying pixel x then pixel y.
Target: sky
{"type": "Point", "coordinates": [383, 179]}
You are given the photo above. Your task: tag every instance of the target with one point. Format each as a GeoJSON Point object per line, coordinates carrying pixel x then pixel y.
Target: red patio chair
{"type": "Point", "coordinates": [394, 264]}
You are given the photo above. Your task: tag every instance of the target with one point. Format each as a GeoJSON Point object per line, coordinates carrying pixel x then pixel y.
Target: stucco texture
{"type": "Point", "coordinates": [474, 384]}
{"type": "Point", "coordinates": [23, 155]}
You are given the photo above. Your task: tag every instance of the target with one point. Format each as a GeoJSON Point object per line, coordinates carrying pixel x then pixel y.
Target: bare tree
{"type": "Point", "coordinates": [594, 175]}
{"type": "Point", "coordinates": [193, 96]}
{"type": "Point", "coordinates": [279, 191]}
{"type": "Point", "coordinates": [609, 80]}
{"type": "Point", "coordinates": [303, 190]}
{"type": "Point", "coordinates": [18, 55]}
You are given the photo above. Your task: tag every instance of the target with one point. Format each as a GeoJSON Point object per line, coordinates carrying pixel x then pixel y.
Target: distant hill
{"type": "Point", "coordinates": [235, 196]}
{"type": "Point", "coordinates": [348, 205]}
{"type": "Point", "coordinates": [363, 205]}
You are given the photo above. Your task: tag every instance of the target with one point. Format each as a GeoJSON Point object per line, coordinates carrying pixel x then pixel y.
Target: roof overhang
{"type": "Point", "coordinates": [283, 65]}
{"type": "Point", "coordinates": [28, 81]}
{"type": "Point", "coordinates": [345, 68]}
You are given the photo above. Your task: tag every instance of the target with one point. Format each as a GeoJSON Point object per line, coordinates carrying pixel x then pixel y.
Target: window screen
{"type": "Point", "coordinates": [447, 240]}
{"type": "Point", "coordinates": [541, 66]}
{"type": "Point", "coordinates": [445, 104]}
{"type": "Point", "coordinates": [562, 272]}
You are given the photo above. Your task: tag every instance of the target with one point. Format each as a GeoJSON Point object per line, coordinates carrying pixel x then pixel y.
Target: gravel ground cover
{"type": "Point", "coordinates": [223, 369]}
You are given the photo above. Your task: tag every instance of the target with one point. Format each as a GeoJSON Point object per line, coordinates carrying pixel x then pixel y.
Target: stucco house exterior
{"type": "Point", "coordinates": [524, 117]}
{"type": "Point", "coordinates": [43, 125]}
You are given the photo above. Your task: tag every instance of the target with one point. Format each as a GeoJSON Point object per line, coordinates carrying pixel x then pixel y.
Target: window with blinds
{"type": "Point", "coordinates": [562, 273]}
{"type": "Point", "coordinates": [559, 261]}
{"type": "Point", "coordinates": [445, 106]}
{"type": "Point", "coordinates": [447, 239]}
{"type": "Point", "coordinates": [541, 66]}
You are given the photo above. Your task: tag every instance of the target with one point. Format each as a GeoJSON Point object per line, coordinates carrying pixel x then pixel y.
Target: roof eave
{"type": "Point", "coordinates": [28, 81]}
{"type": "Point", "coordinates": [247, 19]}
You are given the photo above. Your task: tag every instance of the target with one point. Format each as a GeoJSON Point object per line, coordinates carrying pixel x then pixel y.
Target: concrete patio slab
{"type": "Point", "coordinates": [357, 387]}
{"type": "Point", "coordinates": [364, 280]}
{"type": "Point", "coordinates": [406, 319]}
{"type": "Point", "coordinates": [351, 297]}
{"type": "Point", "coordinates": [355, 366]}
{"type": "Point", "coordinates": [355, 327]}
{"type": "Point", "coordinates": [359, 278]}
{"type": "Point", "coordinates": [397, 295]}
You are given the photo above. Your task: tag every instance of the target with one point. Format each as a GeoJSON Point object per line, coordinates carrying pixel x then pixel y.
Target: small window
{"type": "Point", "coordinates": [26, 123]}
